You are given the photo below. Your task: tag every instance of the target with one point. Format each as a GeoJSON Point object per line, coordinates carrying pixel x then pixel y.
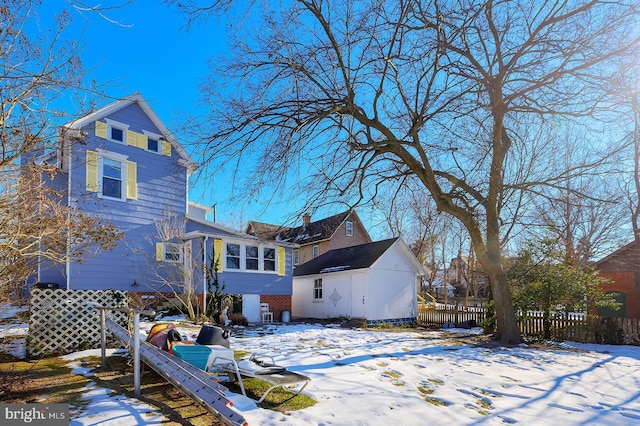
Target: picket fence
{"type": "Point", "coordinates": [573, 327]}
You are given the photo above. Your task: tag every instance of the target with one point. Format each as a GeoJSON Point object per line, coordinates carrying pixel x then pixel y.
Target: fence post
{"type": "Point", "coordinates": [136, 352]}
{"type": "Point", "coordinates": [103, 337]}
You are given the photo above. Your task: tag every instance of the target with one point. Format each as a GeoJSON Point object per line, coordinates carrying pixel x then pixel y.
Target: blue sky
{"type": "Point", "coordinates": [148, 50]}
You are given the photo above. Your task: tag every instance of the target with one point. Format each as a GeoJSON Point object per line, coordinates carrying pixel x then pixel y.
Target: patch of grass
{"type": "Point", "coordinates": [388, 326]}
{"type": "Point", "coordinates": [484, 403]}
{"type": "Point", "coordinates": [477, 409]}
{"type": "Point", "coordinates": [436, 401]}
{"type": "Point", "coordinates": [488, 393]}
{"type": "Point", "coordinates": [436, 381]}
{"type": "Point", "coordinates": [425, 390]}
{"type": "Point", "coordinates": [45, 380]}
{"type": "Point", "coordinates": [392, 374]}
{"type": "Point", "coordinates": [278, 399]}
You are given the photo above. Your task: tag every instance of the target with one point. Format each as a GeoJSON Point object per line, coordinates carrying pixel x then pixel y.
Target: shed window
{"type": "Point", "coordinates": [317, 289]}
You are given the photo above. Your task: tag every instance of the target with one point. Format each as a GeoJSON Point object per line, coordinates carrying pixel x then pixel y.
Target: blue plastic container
{"type": "Point", "coordinates": [196, 355]}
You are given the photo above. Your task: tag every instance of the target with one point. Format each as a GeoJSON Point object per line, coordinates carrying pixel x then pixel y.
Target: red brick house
{"type": "Point", "coordinates": [623, 268]}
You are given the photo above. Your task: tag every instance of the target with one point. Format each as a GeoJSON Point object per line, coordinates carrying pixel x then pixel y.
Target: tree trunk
{"type": "Point", "coordinates": [507, 330]}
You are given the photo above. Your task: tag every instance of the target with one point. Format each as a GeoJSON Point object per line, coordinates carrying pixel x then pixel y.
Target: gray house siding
{"type": "Point", "coordinates": [161, 187]}
{"type": "Point", "coordinates": [238, 281]}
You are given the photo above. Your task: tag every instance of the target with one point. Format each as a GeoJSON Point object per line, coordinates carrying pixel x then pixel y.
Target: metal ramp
{"type": "Point", "coordinates": [195, 383]}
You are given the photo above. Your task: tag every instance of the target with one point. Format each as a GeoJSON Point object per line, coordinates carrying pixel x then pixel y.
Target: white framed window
{"type": "Point", "coordinates": [154, 143]}
{"type": "Point", "coordinates": [172, 252]}
{"type": "Point", "coordinates": [112, 176]}
{"type": "Point", "coordinates": [269, 259]}
{"type": "Point", "coordinates": [315, 251]}
{"type": "Point", "coordinates": [251, 260]}
{"type": "Point", "coordinates": [233, 256]}
{"type": "Point", "coordinates": [296, 256]}
{"type": "Point", "coordinates": [116, 131]}
{"type": "Point", "coordinates": [349, 228]}
{"type": "Point", "coordinates": [241, 257]}
{"type": "Point", "coordinates": [317, 289]}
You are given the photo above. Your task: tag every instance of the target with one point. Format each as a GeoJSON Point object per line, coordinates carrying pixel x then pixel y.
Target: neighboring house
{"type": "Point", "coordinates": [375, 281]}
{"type": "Point", "coordinates": [438, 288]}
{"type": "Point", "coordinates": [467, 273]}
{"type": "Point", "coordinates": [123, 165]}
{"type": "Point", "coordinates": [315, 238]}
{"type": "Point", "coordinates": [623, 268]}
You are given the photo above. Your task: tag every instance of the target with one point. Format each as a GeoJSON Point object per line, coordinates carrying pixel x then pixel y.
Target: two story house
{"type": "Point", "coordinates": [122, 164]}
{"type": "Point", "coordinates": [315, 238]}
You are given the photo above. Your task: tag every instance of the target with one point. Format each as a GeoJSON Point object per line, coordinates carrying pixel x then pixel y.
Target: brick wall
{"type": "Point", "coordinates": [277, 304]}
{"type": "Point", "coordinates": [625, 282]}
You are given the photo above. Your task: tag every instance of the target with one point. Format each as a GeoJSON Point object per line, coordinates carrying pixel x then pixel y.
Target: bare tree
{"type": "Point", "coordinates": [173, 268]}
{"type": "Point", "coordinates": [586, 214]}
{"type": "Point", "coordinates": [37, 72]}
{"type": "Point", "coordinates": [35, 226]}
{"type": "Point", "coordinates": [456, 95]}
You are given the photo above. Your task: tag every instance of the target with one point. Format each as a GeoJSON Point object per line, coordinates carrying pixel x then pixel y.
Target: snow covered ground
{"type": "Point", "coordinates": [400, 378]}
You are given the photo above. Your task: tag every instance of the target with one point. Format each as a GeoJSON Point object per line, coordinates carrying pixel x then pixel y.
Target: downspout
{"type": "Point", "coordinates": [204, 274]}
{"type": "Point", "coordinates": [68, 260]}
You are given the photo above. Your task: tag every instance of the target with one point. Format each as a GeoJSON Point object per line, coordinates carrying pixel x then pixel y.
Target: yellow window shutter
{"type": "Point", "coordinates": [281, 261]}
{"type": "Point", "coordinates": [142, 141]}
{"type": "Point", "coordinates": [166, 148]}
{"type": "Point", "coordinates": [132, 180]}
{"type": "Point", "coordinates": [217, 249]}
{"type": "Point", "coordinates": [132, 138]}
{"type": "Point", "coordinates": [101, 129]}
{"type": "Point", "coordinates": [92, 171]}
{"type": "Point", "coordinates": [159, 252]}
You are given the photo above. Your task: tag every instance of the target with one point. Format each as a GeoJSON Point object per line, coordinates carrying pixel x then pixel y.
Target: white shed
{"type": "Point", "coordinates": [375, 281]}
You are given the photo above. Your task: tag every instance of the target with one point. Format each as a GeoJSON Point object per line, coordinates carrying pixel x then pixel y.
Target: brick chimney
{"type": "Point", "coordinates": [306, 219]}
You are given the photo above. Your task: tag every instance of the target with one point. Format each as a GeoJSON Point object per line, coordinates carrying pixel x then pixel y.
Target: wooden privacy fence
{"type": "Point", "coordinates": [573, 327]}
{"type": "Point", "coordinates": [580, 328]}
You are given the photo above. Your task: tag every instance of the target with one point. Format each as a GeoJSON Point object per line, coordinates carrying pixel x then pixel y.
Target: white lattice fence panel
{"type": "Point", "coordinates": [64, 321]}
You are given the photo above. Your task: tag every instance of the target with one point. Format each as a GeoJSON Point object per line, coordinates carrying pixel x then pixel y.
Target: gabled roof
{"type": "Point", "coordinates": [618, 252]}
{"type": "Point", "coordinates": [319, 230]}
{"type": "Point", "coordinates": [124, 102]}
{"type": "Point", "coordinates": [344, 259]}
{"type": "Point", "coordinates": [264, 231]}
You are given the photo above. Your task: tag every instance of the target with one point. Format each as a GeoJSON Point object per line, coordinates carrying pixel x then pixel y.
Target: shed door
{"type": "Point", "coordinates": [358, 296]}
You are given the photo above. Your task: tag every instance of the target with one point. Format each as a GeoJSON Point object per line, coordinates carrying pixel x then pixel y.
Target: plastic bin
{"type": "Point", "coordinates": [196, 355]}
{"type": "Point", "coordinates": [286, 316]}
